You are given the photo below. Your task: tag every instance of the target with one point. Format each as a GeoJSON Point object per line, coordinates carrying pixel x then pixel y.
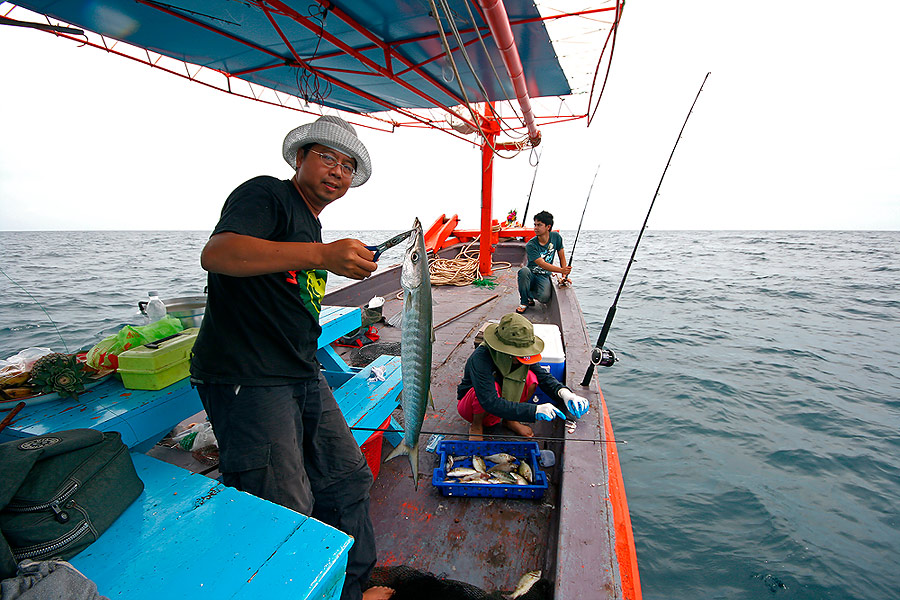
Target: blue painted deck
{"type": "Point", "coordinates": [191, 536]}
{"type": "Point", "coordinates": [144, 417]}
{"type": "Point", "coordinates": [367, 404]}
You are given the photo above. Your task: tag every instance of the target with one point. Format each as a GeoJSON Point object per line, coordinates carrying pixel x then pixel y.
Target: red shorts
{"type": "Point", "coordinates": [469, 406]}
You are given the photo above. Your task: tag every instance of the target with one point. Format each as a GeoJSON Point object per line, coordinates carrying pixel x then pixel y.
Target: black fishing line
{"type": "Point", "coordinates": [501, 436]}
{"type": "Point", "coordinates": [528, 201]}
{"type": "Point", "coordinates": [597, 353]}
{"type": "Point", "coordinates": [584, 210]}
{"type": "Point", "coordinates": [41, 307]}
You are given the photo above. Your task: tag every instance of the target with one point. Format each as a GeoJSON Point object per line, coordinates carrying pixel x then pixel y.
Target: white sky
{"type": "Point", "coordinates": [798, 127]}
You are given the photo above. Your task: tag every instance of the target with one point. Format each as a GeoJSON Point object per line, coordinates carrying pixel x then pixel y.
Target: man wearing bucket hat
{"type": "Point", "coordinates": [281, 435]}
{"type": "Point", "coordinates": [501, 376]}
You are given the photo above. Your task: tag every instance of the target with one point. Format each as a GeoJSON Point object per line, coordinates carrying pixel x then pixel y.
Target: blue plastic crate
{"type": "Point", "coordinates": [527, 451]}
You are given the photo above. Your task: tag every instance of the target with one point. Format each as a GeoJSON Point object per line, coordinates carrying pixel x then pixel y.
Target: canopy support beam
{"type": "Point", "coordinates": [369, 63]}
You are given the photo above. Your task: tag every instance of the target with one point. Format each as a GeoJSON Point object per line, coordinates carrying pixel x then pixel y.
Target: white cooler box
{"type": "Point", "coordinates": [553, 358]}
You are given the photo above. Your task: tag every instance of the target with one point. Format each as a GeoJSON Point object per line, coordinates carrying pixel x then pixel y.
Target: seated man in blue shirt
{"type": "Point", "coordinates": [534, 279]}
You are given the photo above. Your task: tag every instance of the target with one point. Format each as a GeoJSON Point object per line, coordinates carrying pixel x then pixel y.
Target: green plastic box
{"type": "Point", "coordinates": [159, 364]}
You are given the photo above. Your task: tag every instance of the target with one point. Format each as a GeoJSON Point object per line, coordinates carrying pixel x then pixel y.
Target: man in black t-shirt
{"type": "Point", "coordinates": [281, 434]}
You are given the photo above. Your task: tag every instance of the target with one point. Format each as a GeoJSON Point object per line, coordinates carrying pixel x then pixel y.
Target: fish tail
{"type": "Point", "coordinates": [413, 454]}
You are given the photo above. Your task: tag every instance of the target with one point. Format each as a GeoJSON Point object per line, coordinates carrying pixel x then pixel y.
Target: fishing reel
{"type": "Point", "coordinates": [603, 357]}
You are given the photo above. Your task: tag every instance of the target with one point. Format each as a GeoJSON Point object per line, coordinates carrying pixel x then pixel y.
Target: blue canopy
{"type": "Point", "coordinates": [358, 56]}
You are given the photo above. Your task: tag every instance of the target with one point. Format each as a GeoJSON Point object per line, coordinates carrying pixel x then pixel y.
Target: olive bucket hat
{"type": "Point", "coordinates": [335, 133]}
{"type": "Point", "coordinates": [514, 335]}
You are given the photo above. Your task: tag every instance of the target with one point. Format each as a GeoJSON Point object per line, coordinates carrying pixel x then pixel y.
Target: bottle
{"type": "Point", "coordinates": [156, 309]}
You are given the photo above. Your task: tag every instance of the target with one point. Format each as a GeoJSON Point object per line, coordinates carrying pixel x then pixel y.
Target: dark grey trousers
{"type": "Point", "coordinates": [291, 445]}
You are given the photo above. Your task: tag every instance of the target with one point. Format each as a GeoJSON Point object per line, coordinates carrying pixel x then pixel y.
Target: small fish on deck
{"type": "Point", "coordinates": [525, 584]}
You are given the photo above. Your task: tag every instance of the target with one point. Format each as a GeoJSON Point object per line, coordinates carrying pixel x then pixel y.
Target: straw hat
{"type": "Point", "coordinates": [335, 133]}
{"type": "Point", "coordinates": [514, 335]}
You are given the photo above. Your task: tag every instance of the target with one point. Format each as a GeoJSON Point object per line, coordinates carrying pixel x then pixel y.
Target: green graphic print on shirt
{"type": "Point", "coordinates": [311, 285]}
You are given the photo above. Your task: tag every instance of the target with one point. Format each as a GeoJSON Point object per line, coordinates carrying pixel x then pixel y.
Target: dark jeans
{"type": "Point", "coordinates": [533, 286]}
{"type": "Point", "coordinates": [290, 445]}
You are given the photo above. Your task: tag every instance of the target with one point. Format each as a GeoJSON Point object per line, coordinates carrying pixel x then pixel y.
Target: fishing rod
{"type": "Point", "coordinates": [499, 435]}
{"type": "Point", "coordinates": [528, 202]}
{"type": "Point", "coordinates": [599, 355]}
{"type": "Point", "coordinates": [564, 280]}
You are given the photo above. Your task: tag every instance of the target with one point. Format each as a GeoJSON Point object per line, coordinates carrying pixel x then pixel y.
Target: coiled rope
{"type": "Point", "coordinates": [462, 270]}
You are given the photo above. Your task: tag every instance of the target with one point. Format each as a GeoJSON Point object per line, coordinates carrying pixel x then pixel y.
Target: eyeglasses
{"type": "Point", "coordinates": [331, 161]}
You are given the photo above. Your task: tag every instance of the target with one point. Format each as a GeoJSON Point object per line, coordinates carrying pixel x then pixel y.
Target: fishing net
{"type": "Point", "coordinates": [412, 584]}
{"type": "Point", "coordinates": [363, 356]}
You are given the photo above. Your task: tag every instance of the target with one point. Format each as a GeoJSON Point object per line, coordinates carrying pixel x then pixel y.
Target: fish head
{"type": "Point", "coordinates": [415, 260]}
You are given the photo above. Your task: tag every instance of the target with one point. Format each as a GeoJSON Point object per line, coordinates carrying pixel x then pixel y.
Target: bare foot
{"type": "Point", "coordinates": [378, 592]}
{"type": "Point", "coordinates": [519, 428]}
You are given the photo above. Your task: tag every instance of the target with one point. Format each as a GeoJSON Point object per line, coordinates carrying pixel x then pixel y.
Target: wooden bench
{"type": "Point", "coordinates": [368, 404]}
{"type": "Point", "coordinates": [190, 536]}
{"type": "Point", "coordinates": [142, 417]}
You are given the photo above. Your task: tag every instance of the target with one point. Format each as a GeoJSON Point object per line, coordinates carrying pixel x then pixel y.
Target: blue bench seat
{"type": "Point", "coordinates": [191, 536]}
{"type": "Point", "coordinates": [368, 404]}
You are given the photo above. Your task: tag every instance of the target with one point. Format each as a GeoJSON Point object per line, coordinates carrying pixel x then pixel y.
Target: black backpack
{"type": "Point", "coordinates": [59, 492]}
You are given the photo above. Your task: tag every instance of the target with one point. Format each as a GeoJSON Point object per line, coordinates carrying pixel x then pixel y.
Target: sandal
{"type": "Point", "coordinates": [531, 302]}
{"type": "Point", "coordinates": [521, 308]}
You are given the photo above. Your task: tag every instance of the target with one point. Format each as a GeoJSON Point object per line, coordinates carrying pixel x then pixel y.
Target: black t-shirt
{"type": "Point", "coordinates": [262, 330]}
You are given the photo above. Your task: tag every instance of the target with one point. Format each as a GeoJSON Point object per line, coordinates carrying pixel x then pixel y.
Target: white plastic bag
{"type": "Point", "coordinates": [26, 358]}
{"type": "Point", "coordinates": [377, 374]}
{"type": "Point", "coordinates": [198, 435]}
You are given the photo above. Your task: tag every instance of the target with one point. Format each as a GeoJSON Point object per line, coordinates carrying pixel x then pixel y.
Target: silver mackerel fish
{"type": "Point", "coordinates": [415, 347]}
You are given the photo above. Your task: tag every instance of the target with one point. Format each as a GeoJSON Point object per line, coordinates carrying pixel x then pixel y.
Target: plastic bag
{"type": "Point", "coordinates": [105, 354]}
{"type": "Point", "coordinates": [198, 435]}
{"type": "Point", "coordinates": [25, 359]}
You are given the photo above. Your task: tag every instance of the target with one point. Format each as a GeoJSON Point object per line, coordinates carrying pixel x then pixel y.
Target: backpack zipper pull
{"type": "Point", "coordinates": [60, 515]}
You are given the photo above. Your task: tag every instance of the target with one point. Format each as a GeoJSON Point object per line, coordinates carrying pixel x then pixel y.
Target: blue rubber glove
{"type": "Point", "coordinates": [548, 412]}
{"type": "Point", "coordinates": [576, 404]}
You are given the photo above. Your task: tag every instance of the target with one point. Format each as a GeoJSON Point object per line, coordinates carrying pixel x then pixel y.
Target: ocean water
{"type": "Point", "coordinates": [757, 387]}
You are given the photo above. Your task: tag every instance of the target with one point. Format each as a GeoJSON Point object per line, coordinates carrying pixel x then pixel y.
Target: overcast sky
{"type": "Point", "coordinates": [798, 127]}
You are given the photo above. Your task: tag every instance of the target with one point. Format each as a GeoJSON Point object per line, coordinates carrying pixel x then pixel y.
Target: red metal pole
{"type": "Point", "coordinates": [498, 21]}
{"type": "Point", "coordinates": [491, 129]}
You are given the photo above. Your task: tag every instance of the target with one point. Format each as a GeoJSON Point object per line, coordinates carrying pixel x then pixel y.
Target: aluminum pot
{"type": "Point", "coordinates": [187, 309]}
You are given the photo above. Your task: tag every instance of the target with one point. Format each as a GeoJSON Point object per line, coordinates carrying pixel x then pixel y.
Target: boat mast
{"type": "Point", "coordinates": [490, 127]}
{"type": "Point", "coordinates": [498, 22]}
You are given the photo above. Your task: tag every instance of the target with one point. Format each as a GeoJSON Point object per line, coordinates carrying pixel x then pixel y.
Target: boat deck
{"type": "Point", "coordinates": [569, 534]}
{"type": "Point", "coordinates": [488, 542]}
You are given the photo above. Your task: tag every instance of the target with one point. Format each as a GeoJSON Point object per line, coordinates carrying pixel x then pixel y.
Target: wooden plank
{"type": "Point", "coordinates": [368, 404]}
{"type": "Point", "coordinates": [395, 435]}
{"type": "Point", "coordinates": [330, 361]}
{"type": "Point", "coordinates": [142, 417]}
{"type": "Point", "coordinates": [188, 533]}
{"type": "Point", "coordinates": [338, 321]}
